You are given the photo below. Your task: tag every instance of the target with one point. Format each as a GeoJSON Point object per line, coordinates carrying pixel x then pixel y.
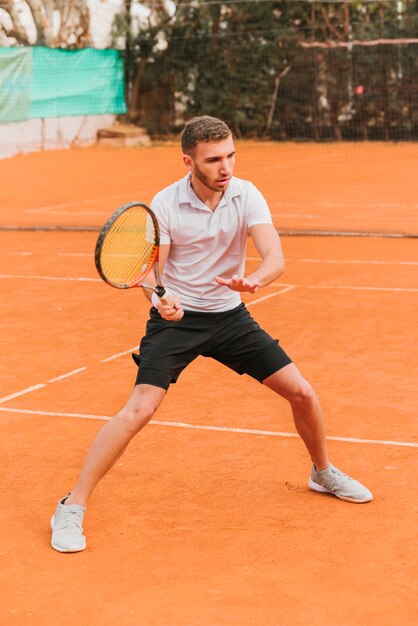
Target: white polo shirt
{"type": "Point", "coordinates": [205, 243]}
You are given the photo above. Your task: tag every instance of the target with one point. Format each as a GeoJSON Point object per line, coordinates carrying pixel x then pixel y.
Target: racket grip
{"type": "Point", "coordinates": [165, 298]}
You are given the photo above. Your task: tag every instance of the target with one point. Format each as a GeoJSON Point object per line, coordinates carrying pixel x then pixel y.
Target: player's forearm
{"type": "Point", "coordinates": [270, 268]}
{"type": "Point", "coordinates": [147, 293]}
{"type": "Point", "coordinates": [150, 279]}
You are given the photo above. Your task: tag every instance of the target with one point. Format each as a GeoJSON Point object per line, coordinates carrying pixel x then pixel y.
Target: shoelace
{"type": "Point", "coordinates": [339, 475]}
{"type": "Point", "coordinates": [70, 518]}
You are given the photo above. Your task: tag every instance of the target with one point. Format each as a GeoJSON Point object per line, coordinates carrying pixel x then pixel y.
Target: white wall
{"type": "Point", "coordinates": [51, 133]}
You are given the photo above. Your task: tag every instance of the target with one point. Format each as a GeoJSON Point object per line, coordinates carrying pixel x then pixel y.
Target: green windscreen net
{"type": "Point", "coordinates": [15, 84]}
{"type": "Point", "coordinates": [42, 82]}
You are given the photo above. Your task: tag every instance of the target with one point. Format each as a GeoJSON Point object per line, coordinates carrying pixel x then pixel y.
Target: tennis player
{"type": "Point", "coordinates": [204, 220]}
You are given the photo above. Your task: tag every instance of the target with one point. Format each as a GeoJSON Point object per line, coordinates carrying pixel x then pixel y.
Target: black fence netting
{"type": "Point", "coordinates": [283, 70]}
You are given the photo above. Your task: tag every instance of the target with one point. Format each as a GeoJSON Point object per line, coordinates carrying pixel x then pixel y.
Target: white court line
{"type": "Point", "coordinates": [271, 295]}
{"type": "Point", "coordinates": [353, 261]}
{"type": "Point", "coordinates": [89, 254]}
{"type": "Point", "coordinates": [116, 356]}
{"type": "Point", "coordinates": [341, 261]}
{"type": "Point", "coordinates": [253, 258]}
{"type": "Point", "coordinates": [84, 212]}
{"type": "Point", "coordinates": [277, 165]}
{"type": "Point", "coordinates": [358, 288]}
{"type": "Point", "coordinates": [65, 278]}
{"type": "Point", "coordinates": [300, 216]}
{"type": "Point", "coordinates": [353, 287]}
{"type": "Point", "coordinates": [222, 429]}
{"type": "Point", "coordinates": [294, 286]}
{"type": "Point", "coordinates": [72, 373]}
{"type": "Point", "coordinates": [61, 205]}
{"type": "Point", "coordinates": [22, 392]}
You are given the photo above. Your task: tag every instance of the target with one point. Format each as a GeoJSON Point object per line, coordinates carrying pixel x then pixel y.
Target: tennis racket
{"type": "Point", "coordinates": [127, 250]}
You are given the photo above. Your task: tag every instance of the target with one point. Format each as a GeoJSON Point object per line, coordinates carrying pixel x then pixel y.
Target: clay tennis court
{"type": "Point", "coordinates": [207, 519]}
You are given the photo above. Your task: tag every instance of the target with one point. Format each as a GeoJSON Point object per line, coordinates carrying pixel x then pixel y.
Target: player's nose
{"type": "Point", "coordinates": [225, 167]}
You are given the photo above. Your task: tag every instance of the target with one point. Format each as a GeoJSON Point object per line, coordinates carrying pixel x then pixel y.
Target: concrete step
{"type": "Point", "coordinates": [123, 135]}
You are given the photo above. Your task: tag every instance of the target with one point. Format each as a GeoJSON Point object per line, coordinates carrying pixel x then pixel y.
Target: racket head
{"type": "Point", "coordinates": [127, 246]}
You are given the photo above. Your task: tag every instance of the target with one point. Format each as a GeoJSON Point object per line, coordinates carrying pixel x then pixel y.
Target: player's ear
{"type": "Point", "coordinates": [188, 161]}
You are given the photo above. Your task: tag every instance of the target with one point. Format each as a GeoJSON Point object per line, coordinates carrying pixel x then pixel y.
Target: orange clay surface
{"type": "Point", "coordinates": [206, 520]}
{"type": "Point", "coordinates": [355, 187]}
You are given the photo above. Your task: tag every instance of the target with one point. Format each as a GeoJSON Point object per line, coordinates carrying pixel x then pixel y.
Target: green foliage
{"type": "Point", "coordinates": [286, 70]}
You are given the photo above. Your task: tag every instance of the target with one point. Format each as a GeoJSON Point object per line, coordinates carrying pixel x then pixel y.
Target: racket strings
{"type": "Point", "coordinates": [129, 247]}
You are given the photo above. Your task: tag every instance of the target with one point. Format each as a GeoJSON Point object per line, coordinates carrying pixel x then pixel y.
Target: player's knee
{"type": "Point", "coordinates": [136, 417]}
{"type": "Point", "coordinates": [303, 394]}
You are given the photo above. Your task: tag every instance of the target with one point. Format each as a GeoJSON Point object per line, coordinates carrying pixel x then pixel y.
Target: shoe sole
{"type": "Point", "coordinates": [59, 549]}
{"type": "Point", "coordinates": [320, 489]}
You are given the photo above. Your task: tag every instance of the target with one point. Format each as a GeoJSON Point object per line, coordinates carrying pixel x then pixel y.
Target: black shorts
{"type": "Point", "coordinates": [230, 337]}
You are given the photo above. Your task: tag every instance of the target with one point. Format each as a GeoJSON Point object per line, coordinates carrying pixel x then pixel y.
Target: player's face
{"type": "Point", "coordinates": [213, 163]}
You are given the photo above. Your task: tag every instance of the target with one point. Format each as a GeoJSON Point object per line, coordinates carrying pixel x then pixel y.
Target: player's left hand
{"type": "Point", "coordinates": [238, 283]}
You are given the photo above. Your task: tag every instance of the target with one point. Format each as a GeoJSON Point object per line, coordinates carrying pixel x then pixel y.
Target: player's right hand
{"type": "Point", "coordinates": [171, 313]}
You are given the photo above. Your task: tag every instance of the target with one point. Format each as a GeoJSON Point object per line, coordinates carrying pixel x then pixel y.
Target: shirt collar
{"type": "Point", "coordinates": [187, 195]}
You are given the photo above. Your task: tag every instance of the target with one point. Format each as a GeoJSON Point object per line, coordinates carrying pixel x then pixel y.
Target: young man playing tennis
{"type": "Point", "coordinates": [204, 222]}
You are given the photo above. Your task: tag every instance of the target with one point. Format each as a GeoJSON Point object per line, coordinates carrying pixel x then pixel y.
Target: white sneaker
{"type": "Point", "coordinates": [332, 480]}
{"type": "Point", "coordinates": [67, 527]}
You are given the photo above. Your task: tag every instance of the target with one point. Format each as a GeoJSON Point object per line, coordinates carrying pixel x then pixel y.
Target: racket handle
{"type": "Point", "coordinates": [163, 296]}
{"type": "Point", "coordinates": [167, 299]}
{"type": "Point", "coordinates": [159, 292]}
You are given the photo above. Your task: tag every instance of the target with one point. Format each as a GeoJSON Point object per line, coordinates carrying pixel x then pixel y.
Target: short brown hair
{"type": "Point", "coordinates": [203, 128]}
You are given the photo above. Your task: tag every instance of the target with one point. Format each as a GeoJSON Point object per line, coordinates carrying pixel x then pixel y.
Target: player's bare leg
{"type": "Point", "coordinates": [114, 437]}
{"type": "Point", "coordinates": [307, 413]}
{"type": "Point", "coordinates": [109, 444]}
{"type": "Point", "coordinates": [309, 421]}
